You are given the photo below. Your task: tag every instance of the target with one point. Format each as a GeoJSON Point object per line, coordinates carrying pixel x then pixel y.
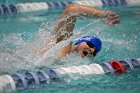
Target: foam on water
{"type": "Point", "coordinates": [119, 42]}
{"type": "Point", "coordinates": [20, 51]}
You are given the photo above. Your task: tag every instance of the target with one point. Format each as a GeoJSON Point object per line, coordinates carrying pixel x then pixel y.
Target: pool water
{"type": "Point", "coordinates": [20, 34]}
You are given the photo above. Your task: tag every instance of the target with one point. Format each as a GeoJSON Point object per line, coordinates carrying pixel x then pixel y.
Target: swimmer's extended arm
{"type": "Point", "coordinates": [66, 22]}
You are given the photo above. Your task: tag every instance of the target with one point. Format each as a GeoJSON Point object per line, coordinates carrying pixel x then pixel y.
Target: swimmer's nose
{"type": "Point", "coordinates": [91, 51]}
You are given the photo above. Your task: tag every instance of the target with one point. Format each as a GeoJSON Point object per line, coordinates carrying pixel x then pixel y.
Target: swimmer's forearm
{"type": "Point", "coordinates": [86, 11]}
{"type": "Point", "coordinates": [69, 16]}
{"type": "Point", "coordinates": [66, 22]}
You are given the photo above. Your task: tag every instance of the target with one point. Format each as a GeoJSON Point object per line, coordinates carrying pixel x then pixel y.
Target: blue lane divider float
{"type": "Point", "coordinates": [28, 7]}
{"type": "Point", "coordinates": [25, 80]}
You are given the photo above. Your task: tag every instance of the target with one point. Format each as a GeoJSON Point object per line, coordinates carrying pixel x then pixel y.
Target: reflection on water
{"type": "Point", "coordinates": [17, 52]}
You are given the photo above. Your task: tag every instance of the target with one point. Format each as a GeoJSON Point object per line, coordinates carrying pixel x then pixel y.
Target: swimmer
{"type": "Point", "coordinates": [87, 45]}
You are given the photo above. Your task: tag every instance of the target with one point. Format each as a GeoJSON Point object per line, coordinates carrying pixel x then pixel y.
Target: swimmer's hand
{"type": "Point", "coordinates": [110, 17]}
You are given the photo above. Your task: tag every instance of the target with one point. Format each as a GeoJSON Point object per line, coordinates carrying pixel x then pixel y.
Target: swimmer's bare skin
{"type": "Point", "coordinates": [70, 14]}
{"type": "Point", "coordinates": [67, 20]}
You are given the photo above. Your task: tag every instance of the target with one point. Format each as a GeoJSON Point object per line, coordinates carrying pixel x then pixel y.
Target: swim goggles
{"type": "Point", "coordinates": [91, 46]}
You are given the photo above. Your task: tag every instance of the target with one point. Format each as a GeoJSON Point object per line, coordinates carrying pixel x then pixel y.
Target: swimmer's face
{"type": "Point", "coordinates": [85, 49]}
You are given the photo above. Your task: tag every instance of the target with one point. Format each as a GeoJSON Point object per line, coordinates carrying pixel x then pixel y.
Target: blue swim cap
{"type": "Point", "coordinates": [94, 40]}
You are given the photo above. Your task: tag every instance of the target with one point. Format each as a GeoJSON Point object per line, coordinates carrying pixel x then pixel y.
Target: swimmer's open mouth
{"type": "Point", "coordinates": [85, 53]}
